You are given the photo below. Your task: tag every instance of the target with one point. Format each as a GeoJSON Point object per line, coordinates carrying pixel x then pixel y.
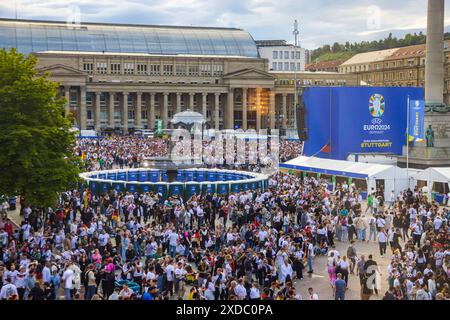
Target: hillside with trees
{"type": "Point", "coordinates": [346, 51]}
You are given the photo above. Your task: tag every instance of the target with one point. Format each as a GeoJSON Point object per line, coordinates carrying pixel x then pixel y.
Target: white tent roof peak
{"type": "Point", "coordinates": [348, 167]}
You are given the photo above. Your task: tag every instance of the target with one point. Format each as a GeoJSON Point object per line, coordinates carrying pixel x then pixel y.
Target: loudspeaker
{"type": "Point", "coordinates": [301, 122]}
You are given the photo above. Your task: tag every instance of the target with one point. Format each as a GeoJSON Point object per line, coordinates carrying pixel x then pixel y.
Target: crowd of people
{"type": "Point", "coordinates": [257, 244]}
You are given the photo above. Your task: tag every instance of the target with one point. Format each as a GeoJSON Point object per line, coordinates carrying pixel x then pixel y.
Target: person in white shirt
{"type": "Point", "coordinates": [8, 290]}
{"type": "Point", "coordinates": [46, 272]}
{"type": "Point", "coordinates": [254, 292]}
{"type": "Point", "coordinates": [312, 294]}
{"type": "Point", "coordinates": [68, 278]}
{"type": "Point", "coordinates": [286, 271]}
{"type": "Point", "coordinates": [382, 240]}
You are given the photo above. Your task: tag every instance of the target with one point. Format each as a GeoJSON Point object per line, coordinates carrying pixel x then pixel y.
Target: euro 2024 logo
{"type": "Point", "coordinates": [376, 107]}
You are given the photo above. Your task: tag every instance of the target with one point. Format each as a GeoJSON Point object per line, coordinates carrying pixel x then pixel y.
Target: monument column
{"type": "Point", "coordinates": [434, 65]}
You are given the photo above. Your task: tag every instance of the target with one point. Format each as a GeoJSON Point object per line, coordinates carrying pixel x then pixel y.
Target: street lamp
{"type": "Point", "coordinates": [295, 33]}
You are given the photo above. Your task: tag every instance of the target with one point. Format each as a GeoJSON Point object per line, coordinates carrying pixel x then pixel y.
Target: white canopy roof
{"type": "Point", "coordinates": [435, 175]}
{"type": "Point", "coordinates": [357, 170]}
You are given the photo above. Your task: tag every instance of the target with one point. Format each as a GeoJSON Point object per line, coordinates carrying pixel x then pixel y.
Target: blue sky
{"type": "Point", "coordinates": [321, 21]}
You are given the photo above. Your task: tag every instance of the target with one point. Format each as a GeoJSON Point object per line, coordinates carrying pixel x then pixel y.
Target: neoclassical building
{"type": "Point", "coordinates": [124, 77]}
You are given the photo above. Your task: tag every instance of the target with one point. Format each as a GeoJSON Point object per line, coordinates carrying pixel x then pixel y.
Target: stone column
{"type": "Point", "coordinates": [151, 111]}
{"type": "Point", "coordinates": [138, 111]}
{"type": "Point", "coordinates": [204, 104]}
{"type": "Point", "coordinates": [216, 111]}
{"type": "Point", "coordinates": [179, 102]}
{"type": "Point", "coordinates": [125, 112]}
{"type": "Point", "coordinates": [258, 109]}
{"type": "Point", "coordinates": [111, 123]}
{"type": "Point", "coordinates": [191, 101]}
{"type": "Point", "coordinates": [83, 112]}
{"type": "Point", "coordinates": [434, 65]}
{"type": "Point", "coordinates": [244, 108]}
{"type": "Point", "coordinates": [284, 111]}
{"type": "Point", "coordinates": [165, 110]}
{"type": "Point", "coordinates": [67, 96]}
{"type": "Point", "coordinates": [97, 112]}
{"type": "Point", "coordinates": [229, 111]}
{"type": "Point", "coordinates": [272, 109]}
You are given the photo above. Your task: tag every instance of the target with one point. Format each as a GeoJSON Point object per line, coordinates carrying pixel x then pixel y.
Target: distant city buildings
{"type": "Point", "coordinates": [398, 67]}
{"type": "Point", "coordinates": [281, 55]}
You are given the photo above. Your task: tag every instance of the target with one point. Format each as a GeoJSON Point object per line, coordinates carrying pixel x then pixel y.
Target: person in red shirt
{"type": "Point", "coordinates": [8, 227]}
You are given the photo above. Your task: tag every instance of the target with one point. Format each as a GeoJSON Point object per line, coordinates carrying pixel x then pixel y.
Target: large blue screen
{"type": "Point", "coordinates": [356, 120]}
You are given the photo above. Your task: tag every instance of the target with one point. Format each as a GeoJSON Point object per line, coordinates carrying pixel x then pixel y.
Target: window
{"type": "Point", "coordinates": [274, 66]}
{"type": "Point", "coordinates": [292, 66]}
{"type": "Point", "coordinates": [292, 55]}
{"type": "Point", "coordinates": [168, 69]}
{"type": "Point", "coordinates": [128, 68]}
{"type": "Point", "coordinates": [205, 69]}
{"type": "Point", "coordinates": [275, 54]}
{"type": "Point", "coordinates": [280, 66]}
{"type": "Point", "coordinates": [130, 114]}
{"type": "Point", "coordinates": [142, 68]}
{"type": "Point", "coordinates": [286, 66]}
{"type": "Point", "coordinates": [155, 69]}
{"type": "Point", "coordinates": [400, 75]}
{"type": "Point", "coordinates": [115, 68]}
{"type": "Point", "coordinates": [297, 55]}
{"type": "Point", "coordinates": [88, 67]}
{"type": "Point", "coordinates": [217, 70]}
{"type": "Point", "coordinates": [411, 63]}
{"type": "Point", "coordinates": [286, 54]}
{"type": "Point", "coordinates": [180, 70]}
{"type": "Point", "coordinates": [89, 115]}
{"type": "Point", "coordinates": [298, 66]}
{"type": "Point", "coordinates": [281, 55]}
{"type": "Point", "coordinates": [101, 67]}
{"type": "Point", "coordinates": [144, 114]}
{"type": "Point", "coordinates": [193, 70]}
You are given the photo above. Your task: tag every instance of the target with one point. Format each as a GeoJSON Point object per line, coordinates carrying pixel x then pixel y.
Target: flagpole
{"type": "Point", "coordinates": [407, 140]}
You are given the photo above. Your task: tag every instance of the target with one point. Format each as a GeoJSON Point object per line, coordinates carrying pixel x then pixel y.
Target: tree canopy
{"type": "Point", "coordinates": [347, 50]}
{"type": "Point", "coordinates": [36, 158]}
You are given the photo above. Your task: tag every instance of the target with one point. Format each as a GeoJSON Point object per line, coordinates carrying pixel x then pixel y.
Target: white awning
{"type": "Point", "coordinates": [434, 175]}
{"type": "Point", "coordinates": [356, 170]}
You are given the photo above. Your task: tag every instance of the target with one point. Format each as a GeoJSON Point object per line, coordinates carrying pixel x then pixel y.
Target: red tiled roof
{"type": "Point", "coordinates": [324, 65]}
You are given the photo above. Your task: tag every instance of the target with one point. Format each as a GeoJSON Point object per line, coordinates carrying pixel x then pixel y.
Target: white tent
{"type": "Point", "coordinates": [394, 178]}
{"type": "Point", "coordinates": [432, 175]}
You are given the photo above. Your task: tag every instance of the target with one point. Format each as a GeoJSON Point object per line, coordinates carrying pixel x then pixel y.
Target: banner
{"type": "Point", "coordinates": [416, 120]}
{"type": "Point", "coordinates": [344, 121]}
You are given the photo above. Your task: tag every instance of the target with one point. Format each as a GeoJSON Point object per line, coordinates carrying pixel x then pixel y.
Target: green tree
{"type": "Point", "coordinates": [37, 159]}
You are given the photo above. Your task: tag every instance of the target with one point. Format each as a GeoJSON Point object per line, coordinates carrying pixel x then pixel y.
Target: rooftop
{"type": "Point", "coordinates": [30, 36]}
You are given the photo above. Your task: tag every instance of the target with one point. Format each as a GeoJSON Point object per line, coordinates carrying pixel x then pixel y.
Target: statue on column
{"type": "Point", "coordinates": [429, 135]}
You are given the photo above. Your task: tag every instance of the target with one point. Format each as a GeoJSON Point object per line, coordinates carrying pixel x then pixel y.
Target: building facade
{"type": "Point", "coordinates": [395, 67]}
{"type": "Point", "coordinates": [325, 66]}
{"type": "Point", "coordinates": [124, 77]}
{"type": "Point", "coordinates": [281, 55]}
